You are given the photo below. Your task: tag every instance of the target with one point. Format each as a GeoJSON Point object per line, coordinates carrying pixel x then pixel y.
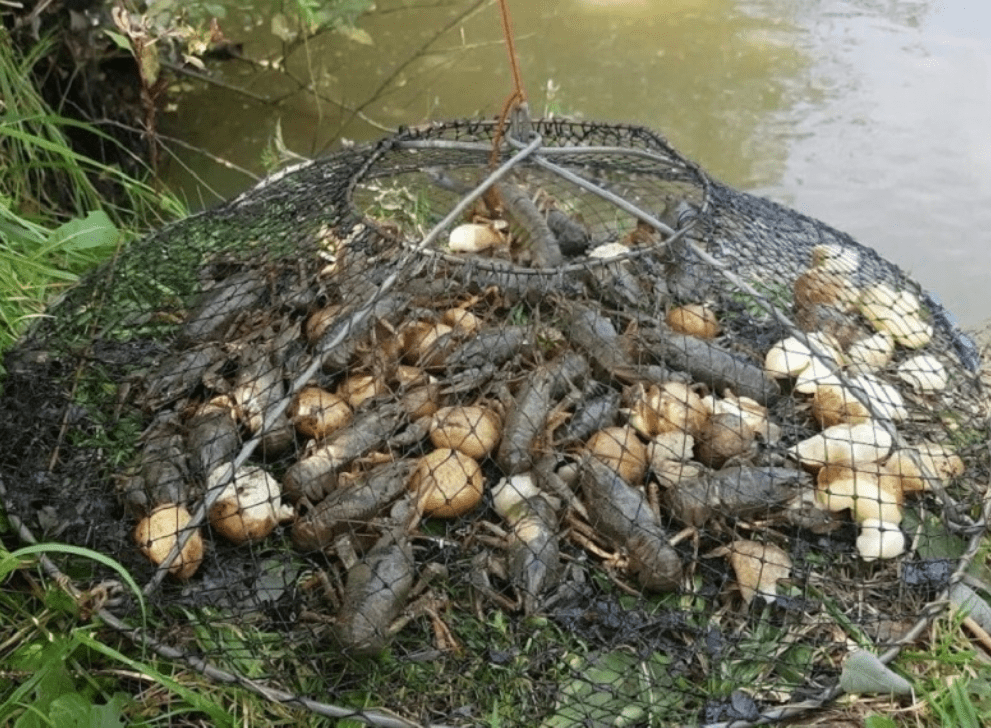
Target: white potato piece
{"type": "Point", "coordinates": [941, 460]}
{"type": "Point", "coordinates": [694, 319]}
{"type": "Point", "coordinates": [787, 358]}
{"type": "Point", "coordinates": [817, 374]}
{"type": "Point", "coordinates": [474, 430]}
{"type": "Point", "coordinates": [510, 492]}
{"type": "Point", "coordinates": [908, 329]}
{"type": "Point", "coordinates": [250, 507]}
{"type": "Point", "coordinates": [924, 373]}
{"type": "Point", "coordinates": [844, 445]}
{"type": "Point", "coordinates": [158, 532]}
{"type": "Point", "coordinates": [473, 238]}
{"type": "Point", "coordinates": [860, 492]}
{"type": "Point", "coordinates": [836, 258]}
{"type": "Point", "coordinates": [833, 405]}
{"type": "Point", "coordinates": [608, 250]}
{"type": "Point", "coordinates": [621, 450]}
{"type": "Point", "coordinates": [880, 540]}
{"type": "Point", "coordinates": [447, 483]}
{"type": "Point", "coordinates": [673, 445]}
{"type": "Point", "coordinates": [872, 352]}
{"type": "Point", "coordinates": [884, 399]}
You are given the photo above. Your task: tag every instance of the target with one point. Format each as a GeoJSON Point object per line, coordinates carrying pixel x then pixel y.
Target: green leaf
{"type": "Point", "coordinates": [20, 234]}
{"type": "Point", "coordinates": [94, 232]}
{"type": "Point", "coordinates": [71, 710]}
{"type": "Point", "coordinates": [879, 721]}
{"type": "Point", "coordinates": [218, 715]}
{"type": "Point", "coordinates": [935, 541]}
{"type": "Point", "coordinates": [121, 41]}
{"type": "Point", "coordinates": [58, 600]}
{"type": "Point", "coordinates": [281, 30]}
{"type": "Point", "coordinates": [358, 35]}
{"type": "Point", "coordinates": [963, 706]}
{"type": "Point", "coordinates": [614, 689]}
{"type": "Point", "coordinates": [48, 680]}
{"type": "Point", "coordinates": [114, 711]}
{"type": "Point", "coordinates": [11, 561]}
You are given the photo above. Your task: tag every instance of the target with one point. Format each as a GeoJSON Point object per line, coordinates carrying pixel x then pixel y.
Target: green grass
{"type": "Point", "coordinates": [397, 204]}
{"type": "Point", "coordinates": [951, 678]}
{"type": "Point", "coordinates": [55, 222]}
{"type": "Point", "coordinates": [58, 661]}
{"type": "Point", "coordinates": [778, 295]}
{"type": "Point", "coordinates": [59, 666]}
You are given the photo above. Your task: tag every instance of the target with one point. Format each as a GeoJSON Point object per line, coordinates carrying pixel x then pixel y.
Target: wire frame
{"type": "Point", "coordinates": [568, 434]}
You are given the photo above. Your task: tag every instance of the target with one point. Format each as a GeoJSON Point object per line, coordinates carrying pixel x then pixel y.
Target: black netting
{"type": "Point", "coordinates": [614, 441]}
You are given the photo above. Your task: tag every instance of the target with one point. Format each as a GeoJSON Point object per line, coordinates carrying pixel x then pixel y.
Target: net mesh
{"type": "Point", "coordinates": [570, 436]}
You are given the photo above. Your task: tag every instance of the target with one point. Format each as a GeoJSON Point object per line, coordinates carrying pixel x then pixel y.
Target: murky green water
{"type": "Point", "coordinates": [874, 116]}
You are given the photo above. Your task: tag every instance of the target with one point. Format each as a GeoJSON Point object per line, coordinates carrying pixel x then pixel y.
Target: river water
{"type": "Point", "coordinates": [872, 115]}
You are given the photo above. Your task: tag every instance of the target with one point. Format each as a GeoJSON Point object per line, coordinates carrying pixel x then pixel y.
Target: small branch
{"type": "Point", "coordinates": [979, 633]}
{"type": "Point", "coordinates": [277, 100]}
{"type": "Point", "coordinates": [206, 78]}
{"type": "Point", "coordinates": [405, 8]}
{"type": "Point", "coordinates": [179, 142]}
{"type": "Point", "coordinates": [475, 7]}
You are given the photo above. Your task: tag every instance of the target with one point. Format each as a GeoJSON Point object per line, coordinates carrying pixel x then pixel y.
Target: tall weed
{"type": "Point", "coordinates": [56, 220]}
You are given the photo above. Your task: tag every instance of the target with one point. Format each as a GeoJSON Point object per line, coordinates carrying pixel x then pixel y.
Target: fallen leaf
{"type": "Point", "coordinates": [863, 672]}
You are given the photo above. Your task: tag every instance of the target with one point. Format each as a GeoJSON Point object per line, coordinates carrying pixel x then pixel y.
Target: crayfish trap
{"type": "Point", "coordinates": [567, 433]}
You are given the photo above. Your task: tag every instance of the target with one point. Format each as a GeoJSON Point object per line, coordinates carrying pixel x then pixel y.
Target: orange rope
{"type": "Point", "coordinates": [519, 94]}
{"type": "Point", "coordinates": [507, 31]}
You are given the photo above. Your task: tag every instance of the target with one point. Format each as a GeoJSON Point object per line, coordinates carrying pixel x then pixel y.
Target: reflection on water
{"type": "Point", "coordinates": [897, 152]}
{"type": "Point", "coordinates": [708, 74]}
{"type": "Point", "coordinates": [870, 115]}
